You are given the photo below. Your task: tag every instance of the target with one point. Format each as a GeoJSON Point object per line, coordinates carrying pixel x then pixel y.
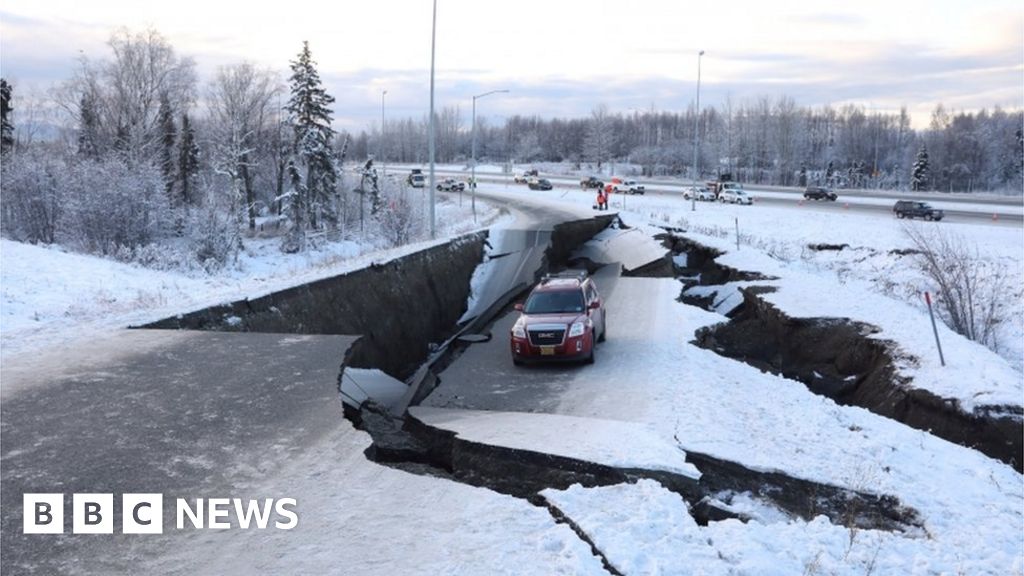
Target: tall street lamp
{"type": "Point", "coordinates": [380, 152]}
{"type": "Point", "coordinates": [696, 140]}
{"type": "Point", "coordinates": [472, 181]}
{"type": "Point", "coordinates": [430, 139]}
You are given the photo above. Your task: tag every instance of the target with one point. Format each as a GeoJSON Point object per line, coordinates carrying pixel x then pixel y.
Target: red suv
{"type": "Point", "coordinates": [562, 319]}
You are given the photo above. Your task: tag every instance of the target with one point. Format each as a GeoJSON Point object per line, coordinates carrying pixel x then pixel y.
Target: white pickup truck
{"type": "Point", "coordinates": [628, 187]}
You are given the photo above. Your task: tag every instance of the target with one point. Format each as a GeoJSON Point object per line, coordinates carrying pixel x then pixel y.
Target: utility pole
{"type": "Point", "coordinates": [473, 148]}
{"type": "Point", "coordinates": [696, 140]}
{"type": "Point", "coordinates": [430, 138]}
{"type": "Point", "coordinates": [380, 152]}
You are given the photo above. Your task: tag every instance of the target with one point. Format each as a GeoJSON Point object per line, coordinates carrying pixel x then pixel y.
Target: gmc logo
{"type": "Point", "coordinates": [545, 335]}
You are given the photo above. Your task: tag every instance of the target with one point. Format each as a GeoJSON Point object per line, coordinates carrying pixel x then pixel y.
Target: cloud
{"type": "Point", "coordinates": [910, 76]}
{"type": "Point", "coordinates": [830, 19]}
{"type": "Point", "coordinates": [569, 68]}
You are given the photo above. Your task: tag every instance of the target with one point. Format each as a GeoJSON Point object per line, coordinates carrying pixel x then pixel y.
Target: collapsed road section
{"type": "Point", "coordinates": [489, 423]}
{"type": "Point", "coordinates": [486, 274]}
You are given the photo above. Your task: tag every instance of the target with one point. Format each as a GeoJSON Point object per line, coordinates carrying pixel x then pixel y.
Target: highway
{"type": "Point", "coordinates": [959, 207]}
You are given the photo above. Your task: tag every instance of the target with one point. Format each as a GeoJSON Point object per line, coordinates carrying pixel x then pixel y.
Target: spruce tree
{"type": "Point", "coordinates": [88, 128]}
{"type": "Point", "coordinates": [919, 173]}
{"type": "Point", "coordinates": [6, 127]}
{"type": "Point", "coordinates": [312, 201]}
{"type": "Point", "coordinates": [188, 159]}
{"type": "Point", "coordinates": [165, 125]}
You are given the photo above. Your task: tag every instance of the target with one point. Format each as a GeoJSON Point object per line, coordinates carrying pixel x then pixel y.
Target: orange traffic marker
{"type": "Point", "coordinates": [995, 217]}
{"type": "Point", "coordinates": [846, 206]}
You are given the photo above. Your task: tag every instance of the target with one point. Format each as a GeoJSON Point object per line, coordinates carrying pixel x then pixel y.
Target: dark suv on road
{"type": "Point", "coordinates": [539, 184]}
{"type": "Point", "coordinates": [563, 319]}
{"type": "Point", "coordinates": [914, 209]}
{"type": "Point", "coordinates": [819, 193]}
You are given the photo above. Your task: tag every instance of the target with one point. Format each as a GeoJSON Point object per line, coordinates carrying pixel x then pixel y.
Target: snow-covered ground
{"type": "Point", "coordinates": [725, 408]}
{"type": "Point", "coordinates": [50, 296]}
{"type": "Point", "coordinates": [367, 519]}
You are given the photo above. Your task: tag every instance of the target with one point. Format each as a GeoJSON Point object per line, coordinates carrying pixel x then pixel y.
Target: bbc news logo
{"type": "Point", "coordinates": [144, 513]}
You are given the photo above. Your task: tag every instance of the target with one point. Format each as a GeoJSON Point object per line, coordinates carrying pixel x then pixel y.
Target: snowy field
{"type": "Point", "coordinates": [49, 296]}
{"type": "Point", "coordinates": [368, 519]}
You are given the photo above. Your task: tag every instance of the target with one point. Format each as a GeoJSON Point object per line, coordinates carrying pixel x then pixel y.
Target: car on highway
{"type": "Point", "coordinates": [914, 209]}
{"type": "Point", "coordinates": [539, 184]}
{"type": "Point", "coordinates": [819, 193]}
{"type": "Point", "coordinates": [524, 177]}
{"type": "Point", "coordinates": [735, 196]}
{"type": "Point", "coordinates": [563, 318]}
{"type": "Point", "coordinates": [590, 182]}
{"type": "Point", "coordinates": [416, 179]}
{"type": "Point", "coordinates": [628, 187]}
{"type": "Point", "coordinates": [702, 194]}
{"type": "Point", "coordinates": [450, 185]}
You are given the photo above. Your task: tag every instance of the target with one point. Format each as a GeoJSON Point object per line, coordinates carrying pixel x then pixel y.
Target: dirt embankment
{"type": "Point", "coordinates": [399, 307]}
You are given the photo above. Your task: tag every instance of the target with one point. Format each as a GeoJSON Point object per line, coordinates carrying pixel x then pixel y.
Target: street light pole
{"type": "Point", "coordinates": [472, 180]}
{"type": "Point", "coordinates": [383, 169]}
{"type": "Point", "coordinates": [430, 139]}
{"type": "Point", "coordinates": [696, 140]}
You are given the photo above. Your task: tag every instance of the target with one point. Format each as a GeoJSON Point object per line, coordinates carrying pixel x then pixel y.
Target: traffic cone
{"type": "Point", "coordinates": [846, 206]}
{"type": "Point", "coordinates": [801, 202]}
{"type": "Point", "coordinates": [995, 217]}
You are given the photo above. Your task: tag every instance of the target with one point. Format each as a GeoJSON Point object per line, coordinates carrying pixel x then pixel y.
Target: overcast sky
{"type": "Point", "coordinates": [564, 58]}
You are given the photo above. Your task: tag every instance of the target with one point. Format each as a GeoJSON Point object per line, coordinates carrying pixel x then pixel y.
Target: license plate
{"type": "Point", "coordinates": [547, 350]}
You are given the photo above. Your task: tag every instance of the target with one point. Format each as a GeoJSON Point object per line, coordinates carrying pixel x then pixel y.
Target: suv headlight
{"type": "Point", "coordinates": [576, 329]}
{"type": "Point", "coordinates": [519, 331]}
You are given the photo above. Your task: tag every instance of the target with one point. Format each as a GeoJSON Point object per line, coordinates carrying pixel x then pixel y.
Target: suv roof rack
{"type": "Point", "coordinates": [578, 275]}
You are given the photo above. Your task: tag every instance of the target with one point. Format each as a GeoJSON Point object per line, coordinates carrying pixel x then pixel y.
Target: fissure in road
{"type": "Point", "coordinates": [833, 357]}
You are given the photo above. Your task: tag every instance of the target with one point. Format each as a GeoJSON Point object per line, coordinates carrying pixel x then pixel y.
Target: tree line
{"type": "Point", "coordinates": [146, 155]}
{"type": "Point", "coordinates": [768, 141]}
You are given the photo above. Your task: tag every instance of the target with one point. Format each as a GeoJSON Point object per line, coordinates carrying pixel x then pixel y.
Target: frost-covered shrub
{"type": "Point", "coordinates": [214, 239]}
{"type": "Point", "coordinates": [969, 290]}
{"type": "Point", "coordinates": [397, 219]}
{"type": "Point", "coordinates": [110, 206]}
{"type": "Point", "coordinates": [31, 202]}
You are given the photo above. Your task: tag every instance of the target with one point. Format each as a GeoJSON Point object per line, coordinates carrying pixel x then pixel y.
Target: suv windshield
{"type": "Point", "coordinates": [554, 302]}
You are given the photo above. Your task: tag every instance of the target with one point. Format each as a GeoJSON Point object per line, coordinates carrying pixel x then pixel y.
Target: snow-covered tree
{"type": "Point", "coordinates": [598, 143]}
{"type": "Point", "coordinates": [919, 173]}
{"type": "Point", "coordinates": [6, 127]}
{"type": "Point", "coordinates": [313, 198]}
{"type": "Point", "coordinates": [88, 127]}
{"type": "Point", "coordinates": [125, 93]}
{"type": "Point", "coordinates": [240, 99]}
{"type": "Point", "coordinates": [188, 160]}
{"type": "Point", "coordinates": [167, 135]}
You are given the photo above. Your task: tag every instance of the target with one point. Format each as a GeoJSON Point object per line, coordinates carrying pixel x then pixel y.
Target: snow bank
{"type": "Point", "coordinates": [643, 528]}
